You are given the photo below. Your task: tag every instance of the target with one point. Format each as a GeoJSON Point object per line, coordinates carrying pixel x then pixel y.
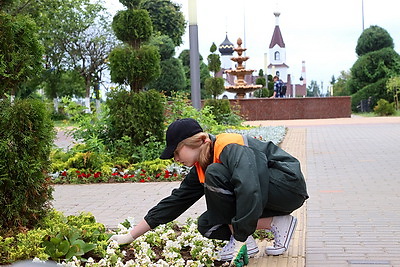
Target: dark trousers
{"type": "Point", "coordinates": [221, 203]}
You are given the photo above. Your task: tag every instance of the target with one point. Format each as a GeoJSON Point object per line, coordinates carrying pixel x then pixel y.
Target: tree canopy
{"type": "Point", "coordinates": [372, 67]}
{"type": "Point", "coordinates": [372, 39]}
{"type": "Point", "coordinates": [134, 67]}
{"type": "Point", "coordinates": [132, 26]}
{"type": "Point", "coordinates": [172, 77]}
{"type": "Point", "coordinates": [167, 18]}
{"type": "Point", "coordinates": [20, 52]}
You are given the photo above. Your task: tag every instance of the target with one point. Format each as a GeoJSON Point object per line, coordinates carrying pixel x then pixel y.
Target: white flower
{"type": "Point", "coordinates": [113, 244]}
{"type": "Point", "coordinates": [102, 262]}
{"type": "Point", "coordinates": [119, 263]}
{"type": "Point", "coordinates": [110, 251]}
{"type": "Point", "coordinates": [38, 260]}
{"type": "Point", "coordinates": [122, 229]}
{"type": "Point", "coordinates": [172, 245]}
{"type": "Point", "coordinates": [130, 263]}
{"type": "Point", "coordinates": [161, 263]}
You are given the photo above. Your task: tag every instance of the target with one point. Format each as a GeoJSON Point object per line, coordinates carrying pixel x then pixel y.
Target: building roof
{"type": "Point", "coordinates": [226, 48]}
{"type": "Point", "coordinates": [277, 38]}
{"type": "Point", "coordinates": [278, 65]}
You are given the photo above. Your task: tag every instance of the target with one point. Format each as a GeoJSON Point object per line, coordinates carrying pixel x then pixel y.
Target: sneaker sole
{"type": "Point", "coordinates": [279, 251]}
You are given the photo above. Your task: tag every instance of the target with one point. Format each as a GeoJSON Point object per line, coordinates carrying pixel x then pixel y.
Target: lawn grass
{"type": "Point", "coordinates": [372, 114]}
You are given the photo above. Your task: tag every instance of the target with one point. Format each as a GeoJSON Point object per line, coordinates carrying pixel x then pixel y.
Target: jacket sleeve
{"type": "Point", "coordinates": [241, 162]}
{"type": "Point", "coordinates": [182, 198]}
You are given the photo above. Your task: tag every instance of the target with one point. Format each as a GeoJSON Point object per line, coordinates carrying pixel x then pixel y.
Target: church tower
{"type": "Point", "coordinates": [277, 53]}
{"type": "Point", "coordinates": [226, 50]}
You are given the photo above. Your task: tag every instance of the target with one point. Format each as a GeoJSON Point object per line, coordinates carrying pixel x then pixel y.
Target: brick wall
{"type": "Point", "coordinates": [294, 108]}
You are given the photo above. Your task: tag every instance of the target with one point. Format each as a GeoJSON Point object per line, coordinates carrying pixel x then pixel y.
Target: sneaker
{"type": "Point", "coordinates": [282, 227]}
{"type": "Point", "coordinates": [226, 253]}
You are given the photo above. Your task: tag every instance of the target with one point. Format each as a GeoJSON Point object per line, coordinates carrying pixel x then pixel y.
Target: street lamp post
{"type": "Point", "coordinates": [194, 55]}
{"type": "Point", "coordinates": [362, 11]}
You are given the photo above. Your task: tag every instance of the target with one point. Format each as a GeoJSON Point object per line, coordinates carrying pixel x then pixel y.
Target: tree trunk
{"type": "Point", "coordinates": [87, 98]}
{"type": "Point", "coordinates": [55, 104]}
{"type": "Point", "coordinates": [87, 104]}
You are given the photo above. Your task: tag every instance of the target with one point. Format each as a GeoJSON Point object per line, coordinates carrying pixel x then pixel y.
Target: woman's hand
{"type": "Point", "coordinates": [122, 239]}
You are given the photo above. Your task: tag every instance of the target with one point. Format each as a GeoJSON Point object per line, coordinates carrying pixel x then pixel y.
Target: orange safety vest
{"type": "Point", "coordinates": [222, 140]}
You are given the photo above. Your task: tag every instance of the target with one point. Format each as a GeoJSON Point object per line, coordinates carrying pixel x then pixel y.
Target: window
{"type": "Point", "coordinates": [277, 56]}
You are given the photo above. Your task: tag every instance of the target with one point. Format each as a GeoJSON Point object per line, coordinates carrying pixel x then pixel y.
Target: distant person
{"type": "Point", "coordinates": [248, 184]}
{"type": "Point", "coordinates": [278, 88]}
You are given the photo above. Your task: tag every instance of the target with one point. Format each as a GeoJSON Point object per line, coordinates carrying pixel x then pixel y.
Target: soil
{"type": "Point", "coordinates": [185, 252]}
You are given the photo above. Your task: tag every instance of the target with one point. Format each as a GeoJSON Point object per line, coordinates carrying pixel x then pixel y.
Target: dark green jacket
{"type": "Point", "coordinates": [253, 167]}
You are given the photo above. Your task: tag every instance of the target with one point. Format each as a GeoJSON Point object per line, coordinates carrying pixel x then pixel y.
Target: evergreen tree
{"type": "Point", "coordinates": [134, 63]}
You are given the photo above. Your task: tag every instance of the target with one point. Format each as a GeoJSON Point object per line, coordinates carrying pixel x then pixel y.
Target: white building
{"type": "Point", "coordinates": [277, 53]}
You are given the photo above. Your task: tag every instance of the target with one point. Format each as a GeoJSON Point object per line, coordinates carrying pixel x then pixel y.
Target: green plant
{"type": "Point", "coordinates": [69, 236]}
{"type": "Point", "coordinates": [384, 108]}
{"type": "Point", "coordinates": [20, 51]}
{"type": "Point", "coordinates": [180, 107]}
{"type": "Point", "coordinates": [222, 112]}
{"type": "Point", "coordinates": [57, 237]}
{"type": "Point", "coordinates": [26, 139]}
{"type": "Point", "coordinates": [136, 115]}
{"type": "Point", "coordinates": [65, 247]}
{"type": "Point", "coordinates": [263, 92]}
{"type": "Point", "coordinates": [23, 246]}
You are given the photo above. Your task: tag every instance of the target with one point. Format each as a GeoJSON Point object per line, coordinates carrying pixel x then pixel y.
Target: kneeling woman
{"type": "Point", "coordinates": [248, 184]}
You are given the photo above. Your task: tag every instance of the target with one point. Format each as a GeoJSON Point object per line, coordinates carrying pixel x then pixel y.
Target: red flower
{"type": "Point", "coordinates": [97, 174]}
{"type": "Point", "coordinates": [77, 171]}
{"type": "Point", "coordinates": [148, 178]}
{"type": "Point", "coordinates": [131, 176]}
{"type": "Point", "coordinates": [115, 173]}
{"type": "Point", "coordinates": [143, 171]}
{"type": "Point", "coordinates": [126, 176]}
{"type": "Point", "coordinates": [64, 173]}
{"type": "Point", "coordinates": [158, 175]}
{"type": "Point", "coordinates": [175, 175]}
{"type": "Point", "coordinates": [141, 180]}
{"type": "Point", "coordinates": [167, 174]}
{"type": "Point", "coordinates": [142, 174]}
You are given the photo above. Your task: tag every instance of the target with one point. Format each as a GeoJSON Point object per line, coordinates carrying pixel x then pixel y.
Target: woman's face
{"type": "Point", "coordinates": [187, 156]}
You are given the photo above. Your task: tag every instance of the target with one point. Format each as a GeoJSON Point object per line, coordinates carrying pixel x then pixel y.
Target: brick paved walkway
{"type": "Point", "coordinates": [352, 218]}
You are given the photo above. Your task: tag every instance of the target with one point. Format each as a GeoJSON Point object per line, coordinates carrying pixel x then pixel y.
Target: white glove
{"type": "Point", "coordinates": [122, 239]}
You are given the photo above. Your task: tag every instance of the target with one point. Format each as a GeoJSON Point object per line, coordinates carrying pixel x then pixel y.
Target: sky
{"type": "Point", "coordinates": [323, 33]}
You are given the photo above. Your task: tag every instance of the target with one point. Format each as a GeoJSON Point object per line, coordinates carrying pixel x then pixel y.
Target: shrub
{"type": "Point", "coordinates": [57, 237]}
{"type": "Point", "coordinates": [263, 93]}
{"type": "Point", "coordinates": [26, 138]}
{"type": "Point", "coordinates": [136, 115]}
{"type": "Point", "coordinates": [181, 107]}
{"type": "Point", "coordinates": [384, 108]}
{"type": "Point", "coordinates": [222, 112]}
{"type": "Point", "coordinates": [375, 90]}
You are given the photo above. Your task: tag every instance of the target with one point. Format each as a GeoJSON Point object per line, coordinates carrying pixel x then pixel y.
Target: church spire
{"type": "Point", "coordinates": [277, 38]}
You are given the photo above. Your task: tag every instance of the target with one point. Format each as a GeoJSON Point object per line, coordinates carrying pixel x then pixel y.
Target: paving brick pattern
{"type": "Point", "coordinates": [353, 213]}
{"type": "Point", "coordinates": [352, 167]}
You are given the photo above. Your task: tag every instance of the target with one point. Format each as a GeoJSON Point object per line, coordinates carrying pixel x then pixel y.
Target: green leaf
{"type": "Point", "coordinates": [73, 251]}
{"type": "Point", "coordinates": [64, 247]}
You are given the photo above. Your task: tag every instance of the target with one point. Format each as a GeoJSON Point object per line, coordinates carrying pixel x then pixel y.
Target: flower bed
{"type": "Point", "coordinates": [167, 245]}
{"type": "Point", "coordinates": [150, 171]}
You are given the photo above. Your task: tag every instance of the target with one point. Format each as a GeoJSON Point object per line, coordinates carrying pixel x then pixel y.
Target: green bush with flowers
{"type": "Point", "coordinates": [92, 161]}
{"type": "Point", "coordinates": [81, 241]}
{"type": "Point", "coordinates": [57, 237]}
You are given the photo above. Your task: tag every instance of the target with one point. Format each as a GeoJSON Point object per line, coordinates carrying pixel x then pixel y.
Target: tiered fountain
{"type": "Point", "coordinates": [241, 87]}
